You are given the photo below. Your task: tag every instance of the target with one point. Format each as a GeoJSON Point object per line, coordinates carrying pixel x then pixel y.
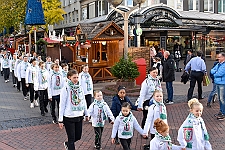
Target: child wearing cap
{"type": "Point", "coordinates": [117, 102]}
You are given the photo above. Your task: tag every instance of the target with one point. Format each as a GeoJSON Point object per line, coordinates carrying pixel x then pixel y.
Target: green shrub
{"type": "Point", "coordinates": [125, 70]}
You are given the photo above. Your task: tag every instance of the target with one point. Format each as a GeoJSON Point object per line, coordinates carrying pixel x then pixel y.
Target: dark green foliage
{"type": "Point", "coordinates": [125, 70]}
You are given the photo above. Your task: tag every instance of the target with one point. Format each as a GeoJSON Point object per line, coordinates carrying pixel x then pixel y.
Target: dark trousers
{"type": "Point", "coordinates": [43, 99]}
{"type": "Point", "coordinates": [55, 99]}
{"type": "Point", "coordinates": [125, 143]}
{"type": "Point", "coordinates": [145, 113]}
{"type": "Point", "coordinates": [31, 88]}
{"type": "Point", "coordinates": [17, 84]}
{"type": "Point", "coordinates": [24, 87]}
{"type": "Point", "coordinates": [13, 77]}
{"type": "Point", "coordinates": [98, 135]}
{"type": "Point", "coordinates": [6, 72]}
{"type": "Point", "coordinates": [169, 89]}
{"type": "Point", "coordinates": [88, 100]}
{"type": "Point", "coordinates": [73, 128]}
{"type": "Point", "coordinates": [195, 76]}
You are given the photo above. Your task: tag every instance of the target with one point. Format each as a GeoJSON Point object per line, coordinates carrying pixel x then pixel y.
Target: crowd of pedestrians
{"type": "Point", "coordinates": [71, 93]}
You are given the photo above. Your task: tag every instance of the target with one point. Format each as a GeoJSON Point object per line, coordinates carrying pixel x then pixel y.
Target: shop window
{"type": "Point", "coordinates": [208, 5]}
{"type": "Point", "coordinates": [221, 6]}
{"type": "Point", "coordinates": [193, 4]}
{"type": "Point", "coordinates": [100, 52]}
{"type": "Point", "coordinates": [84, 13]}
{"type": "Point", "coordinates": [179, 4]}
{"type": "Point", "coordinates": [101, 7]}
{"type": "Point", "coordinates": [92, 10]}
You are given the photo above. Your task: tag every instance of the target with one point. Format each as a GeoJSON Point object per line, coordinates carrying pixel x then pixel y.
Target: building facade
{"type": "Point", "coordinates": [196, 24]}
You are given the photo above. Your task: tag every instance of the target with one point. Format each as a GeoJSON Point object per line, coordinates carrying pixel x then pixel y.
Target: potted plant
{"type": "Point", "coordinates": [125, 71]}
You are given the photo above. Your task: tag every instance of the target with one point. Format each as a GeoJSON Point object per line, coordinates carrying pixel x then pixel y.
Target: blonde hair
{"type": "Point", "coordinates": [96, 91]}
{"type": "Point", "coordinates": [156, 91]}
{"type": "Point", "coordinates": [160, 125]}
{"type": "Point", "coordinates": [193, 102]}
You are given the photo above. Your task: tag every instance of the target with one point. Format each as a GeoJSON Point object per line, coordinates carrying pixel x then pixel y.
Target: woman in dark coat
{"type": "Point", "coordinates": [117, 102]}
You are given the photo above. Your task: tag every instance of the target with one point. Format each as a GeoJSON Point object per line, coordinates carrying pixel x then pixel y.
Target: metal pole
{"type": "Point", "coordinates": [29, 43]}
{"type": "Point", "coordinates": [35, 40]}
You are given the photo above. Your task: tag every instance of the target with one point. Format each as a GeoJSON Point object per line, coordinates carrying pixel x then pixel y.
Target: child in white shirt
{"type": "Point", "coordinates": [162, 140]}
{"type": "Point", "coordinates": [192, 134]}
{"type": "Point", "coordinates": [55, 85]}
{"type": "Point", "coordinates": [125, 124]}
{"type": "Point", "coordinates": [99, 111]}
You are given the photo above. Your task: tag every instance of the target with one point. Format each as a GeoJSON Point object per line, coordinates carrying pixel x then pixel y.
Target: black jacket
{"type": "Point", "coordinates": [169, 69]}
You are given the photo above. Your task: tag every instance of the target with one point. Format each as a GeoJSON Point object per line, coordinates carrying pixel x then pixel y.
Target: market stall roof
{"type": "Point", "coordinates": [51, 41]}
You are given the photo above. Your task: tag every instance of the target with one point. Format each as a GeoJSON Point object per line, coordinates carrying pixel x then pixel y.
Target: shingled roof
{"type": "Point", "coordinates": [94, 30]}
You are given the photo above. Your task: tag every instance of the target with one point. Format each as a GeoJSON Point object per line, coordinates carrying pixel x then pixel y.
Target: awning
{"type": "Point", "coordinates": [51, 41]}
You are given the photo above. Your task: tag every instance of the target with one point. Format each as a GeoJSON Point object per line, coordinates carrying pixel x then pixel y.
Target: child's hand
{"type": "Point", "coordinates": [113, 141]}
{"type": "Point", "coordinates": [112, 122]}
{"type": "Point", "coordinates": [27, 85]}
{"type": "Point", "coordinates": [144, 136]}
{"type": "Point", "coordinates": [50, 99]}
{"type": "Point", "coordinates": [139, 109]}
{"type": "Point", "coordinates": [61, 125]}
{"type": "Point", "coordinates": [87, 118]}
{"type": "Point", "coordinates": [183, 148]}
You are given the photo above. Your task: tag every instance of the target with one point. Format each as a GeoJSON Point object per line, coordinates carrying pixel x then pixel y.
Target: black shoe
{"type": "Point", "coordinates": [46, 110]}
{"type": "Point", "coordinates": [66, 145]}
{"type": "Point", "coordinates": [219, 114]}
{"type": "Point", "coordinates": [202, 97]}
{"type": "Point", "coordinates": [43, 114]}
{"type": "Point", "coordinates": [97, 147]}
{"type": "Point", "coordinates": [221, 117]}
{"type": "Point", "coordinates": [146, 147]}
{"type": "Point", "coordinates": [54, 122]}
{"type": "Point", "coordinates": [18, 90]}
{"type": "Point", "coordinates": [209, 105]}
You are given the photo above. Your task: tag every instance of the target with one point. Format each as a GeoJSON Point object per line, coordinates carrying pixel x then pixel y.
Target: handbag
{"type": "Point", "coordinates": [206, 80]}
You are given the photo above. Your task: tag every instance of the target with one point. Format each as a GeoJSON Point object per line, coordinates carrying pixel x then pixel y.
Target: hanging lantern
{"type": "Point", "coordinates": [34, 13]}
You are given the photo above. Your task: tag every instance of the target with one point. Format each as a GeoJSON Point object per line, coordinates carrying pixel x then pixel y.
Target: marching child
{"type": "Point", "coordinates": [72, 109]}
{"type": "Point", "coordinates": [12, 68]}
{"type": "Point", "coordinates": [99, 111]}
{"type": "Point", "coordinates": [32, 81]}
{"type": "Point", "coordinates": [155, 111]}
{"type": "Point", "coordinates": [162, 140]}
{"type": "Point", "coordinates": [65, 69]}
{"type": "Point", "coordinates": [15, 71]}
{"type": "Point", "coordinates": [43, 76]}
{"type": "Point", "coordinates": [55, 85]}
{"type": "Point", "coordinates": [192, 134]}
{"type": "Point", "coordinates": [5, 67]}
{"type": "Point", "coordinates": [125, 124]}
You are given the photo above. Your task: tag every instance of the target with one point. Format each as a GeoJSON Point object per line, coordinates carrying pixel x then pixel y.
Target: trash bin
{"type": "Point", "coordinates": [141, 63]}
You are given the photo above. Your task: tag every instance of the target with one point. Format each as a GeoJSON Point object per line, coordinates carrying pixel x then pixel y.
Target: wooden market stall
{"type": "Point", "coordinates": [100, 45]}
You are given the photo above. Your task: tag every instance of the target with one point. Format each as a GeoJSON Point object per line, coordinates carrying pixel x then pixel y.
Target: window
{"type": "Point", "coordinates": [221, 6]}
{"type": "Point", "coordinates": [208, 5]}
{"type": "Point", "coordinates": [84, 13]}
{"type": "Point", "coordinates": [179, 4]}
{"type": "Point", "coordinates": [150, 2]}
{"type": "Point", "coordinates": [193, 4]}
{"type": "Point", "coordinates": [101, 7]}
{"type": "Point", "coordinates": [76, 15]}
{"type": "Point", "coordinates": [64, 3]}
{"type": "Point", "coordinates": [92, 10]}
{"type": "Point", "coordinates": [69, 17]}
{"type": "Point", "coordinates": [73, 16]}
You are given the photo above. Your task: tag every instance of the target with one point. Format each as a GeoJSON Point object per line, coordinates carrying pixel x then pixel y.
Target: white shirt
{"type": "Point", "coordinates": [83, 83]}
{"type": "Point", "coordinates": [158, 144]}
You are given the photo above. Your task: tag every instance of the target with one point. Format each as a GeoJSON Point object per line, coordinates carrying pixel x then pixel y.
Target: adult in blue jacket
{"type": "Point", "coordinates": [117, 102]}
{"type": "Point", "coordinates": [219, 79]}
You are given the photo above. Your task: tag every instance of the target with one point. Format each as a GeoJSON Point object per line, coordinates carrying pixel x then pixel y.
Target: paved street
{"type": "Point", "coordinates": [22, 128]}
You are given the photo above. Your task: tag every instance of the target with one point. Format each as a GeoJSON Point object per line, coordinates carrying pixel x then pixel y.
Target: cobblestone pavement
{"type": "Point", "coordinates": [23, 128]}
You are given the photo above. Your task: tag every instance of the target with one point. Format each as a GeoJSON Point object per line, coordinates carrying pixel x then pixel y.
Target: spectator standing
{"type": "Point", "coordinates": [214, 91]}
{"type": "Point", "coordinates": [169, 75]}
{"type": "Point", "coordinates": [198, 69]}
{"type": "Point", "coordinates": [177, 55]}
{"type": "Point", "coordinates": [219, 79]}
{"type": "Point", "coordinates": [189, 56]}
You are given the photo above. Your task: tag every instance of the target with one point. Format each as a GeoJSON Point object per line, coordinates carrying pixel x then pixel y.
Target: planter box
{"type": "Point", "coordinates": [126, 84]}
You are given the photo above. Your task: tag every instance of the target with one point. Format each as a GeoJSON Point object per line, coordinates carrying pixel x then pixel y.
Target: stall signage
{"type": "Point", "coordinates": [70, 38]}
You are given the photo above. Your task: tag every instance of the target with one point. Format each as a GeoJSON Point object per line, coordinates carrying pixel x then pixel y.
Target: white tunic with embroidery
{"type": "Point", "coordinates": [125, 129]}
{"type": "Point", "coordinates": [43, 77]}
{"type": "Point", "coordinates": [32, 76]}
{"type": "Point", "coordinates": [21, 70]}
{"type": "Point", "coordinates": [158, 144]}
{"type": "Point", "coordinates": [98, 115]}
{"type": "Point", "coordinates": [193, 136]}
{"type": "Point", "coordinates": [86, 82]}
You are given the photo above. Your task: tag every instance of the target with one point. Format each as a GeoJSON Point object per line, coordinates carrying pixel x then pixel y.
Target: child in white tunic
{"type": "Point", "coordinates": [125, 124]}
{"type": "Point", "coordinates": [155, 111]}
{"type": "Point", "coordinates": [192, 134]}
{"type": "Point", "coordinates": [162, 140]}
{"type": "Point", "coordinates": [99, 111]}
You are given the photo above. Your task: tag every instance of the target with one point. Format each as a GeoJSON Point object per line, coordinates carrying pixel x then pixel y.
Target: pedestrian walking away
{"type": "Point", "coordinates": [198, 69]}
